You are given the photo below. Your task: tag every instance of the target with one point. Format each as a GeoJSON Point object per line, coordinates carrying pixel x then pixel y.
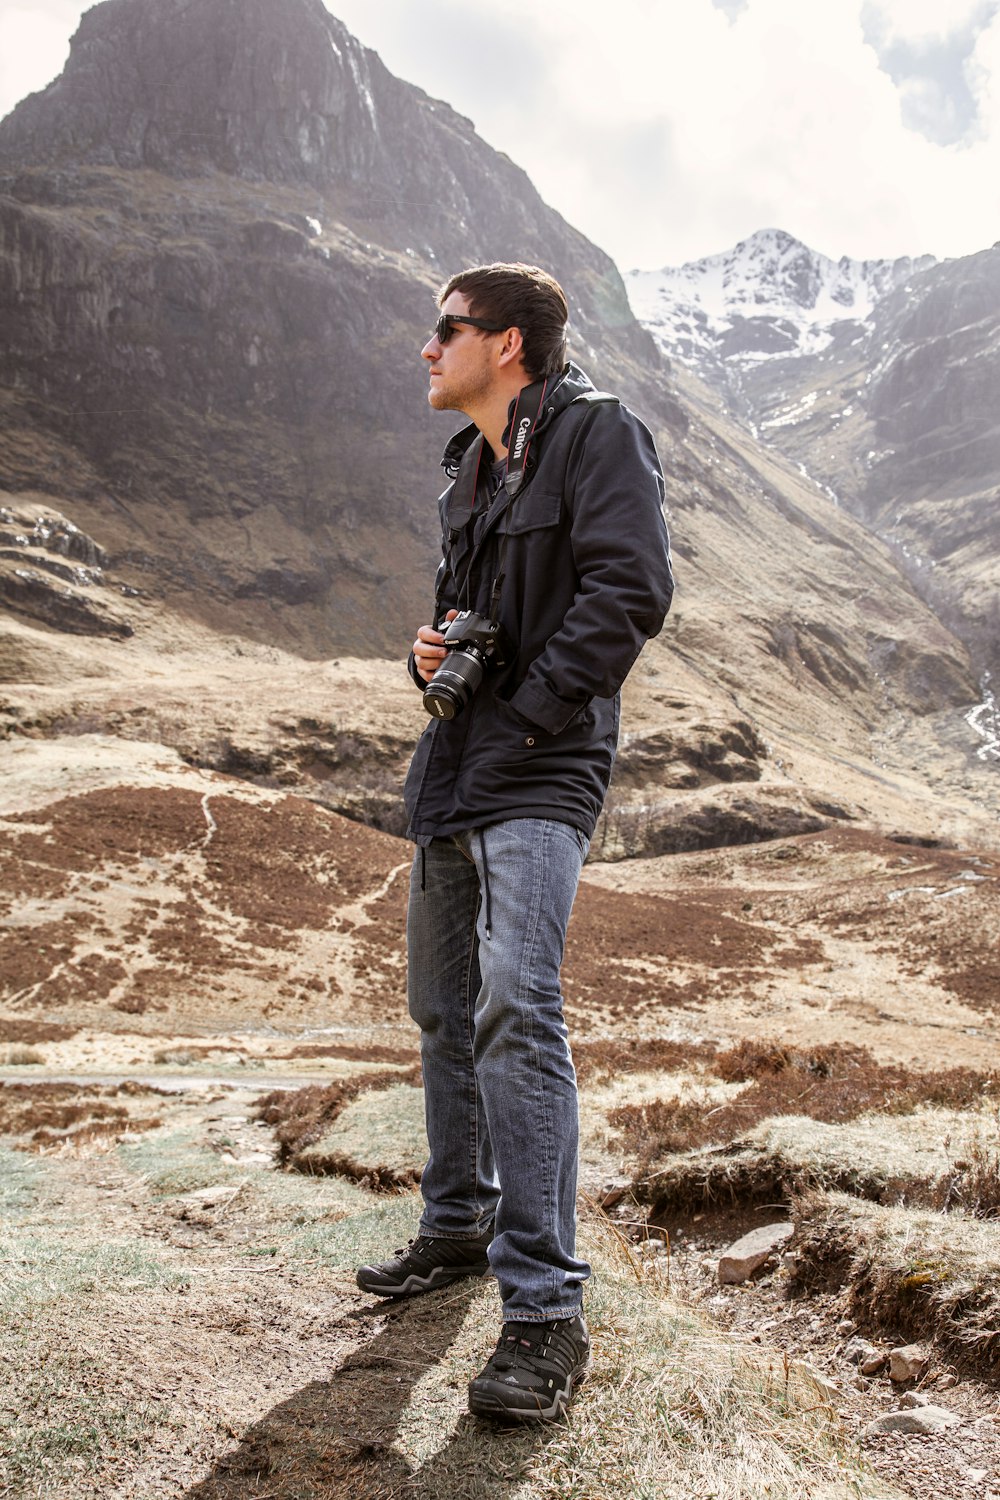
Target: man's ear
{"type": "Point", "coordinates": [511, 347]}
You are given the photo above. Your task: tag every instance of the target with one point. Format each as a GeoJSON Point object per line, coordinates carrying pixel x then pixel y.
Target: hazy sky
{"type": "Point", "coordinates": [669, 129]}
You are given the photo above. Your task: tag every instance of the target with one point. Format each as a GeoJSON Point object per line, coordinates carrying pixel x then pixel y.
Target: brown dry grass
{"type": "Point", "coordinates": [13, 1029]}
{"type": "Point", "coordinates": [972, 1183]}
{"type": "Point", "coordinates": [832, 1083]}
{"type": "Point", "coordinates": [598, 1061]}
{"type": "Point", "coordinates": [46, 1116]}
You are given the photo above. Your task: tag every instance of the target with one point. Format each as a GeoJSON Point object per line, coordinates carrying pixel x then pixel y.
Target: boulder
{"type": "Point", "coordinates": [752, 1251]}
{"type": "Point", "coordinates": [923, 1419]}
{"type": "Point", "coordinates": [858, 1350]}
{"type": "Point", "coordinates": [907, 1362]}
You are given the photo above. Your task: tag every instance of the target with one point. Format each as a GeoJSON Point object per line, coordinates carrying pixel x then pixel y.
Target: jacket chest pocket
{"type": "Point", "coordinates": [533, 510]}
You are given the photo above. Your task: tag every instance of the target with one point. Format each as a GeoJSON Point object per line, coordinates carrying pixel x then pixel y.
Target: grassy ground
{"type": "Point", "coordinates": [178, 1318]}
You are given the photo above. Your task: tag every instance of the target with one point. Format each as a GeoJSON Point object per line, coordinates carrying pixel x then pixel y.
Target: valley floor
{"type": "Point", "coordinates": [180, 1319]}
{"type": "Point", "coordinates": [801, 1031]}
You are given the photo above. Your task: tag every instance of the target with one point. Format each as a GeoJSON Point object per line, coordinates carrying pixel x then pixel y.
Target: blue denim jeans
{"type": "Point", "coordinates": [486, 929]}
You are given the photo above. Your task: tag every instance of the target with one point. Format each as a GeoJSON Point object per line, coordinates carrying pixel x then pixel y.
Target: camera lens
{"type": "Point", "coordinates": [453, 684]}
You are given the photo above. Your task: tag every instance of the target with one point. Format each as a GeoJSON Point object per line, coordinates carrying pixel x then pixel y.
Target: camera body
{"type": "Point", "coordinates": [474, 644]}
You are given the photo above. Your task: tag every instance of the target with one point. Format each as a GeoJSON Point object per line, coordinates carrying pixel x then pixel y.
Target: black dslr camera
{"type": "Point", "coordinates": [473, 643]}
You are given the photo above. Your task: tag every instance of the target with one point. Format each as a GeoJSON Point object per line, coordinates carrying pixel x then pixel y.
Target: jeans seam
{"type": "Point", "coordinates": [529, 968]}
{"type": "Point", "coordinates": [473, 1162]}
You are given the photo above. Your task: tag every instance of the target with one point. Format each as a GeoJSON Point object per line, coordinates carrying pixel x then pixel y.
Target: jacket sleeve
{"type": "Point", "coordinates": [618, 539]}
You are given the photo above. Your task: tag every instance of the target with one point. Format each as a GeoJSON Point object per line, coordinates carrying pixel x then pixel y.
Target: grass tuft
{"type": "Point", "coordinates": [302, 1118]}
{"type": "Point", "coordinates": [20, 1178]}
{"type": "Point", "coordinates": [175, 1162]}
{"type": "Point", "coordinates": [20, 1056]}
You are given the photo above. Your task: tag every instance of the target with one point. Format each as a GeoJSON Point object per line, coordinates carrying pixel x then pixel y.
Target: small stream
{"type": "Point", "coordinates": [984, 719]}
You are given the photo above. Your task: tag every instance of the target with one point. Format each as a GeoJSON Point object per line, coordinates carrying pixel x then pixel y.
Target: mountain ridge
{"type": "Point", "coordinates": [890, 407]}
{"type": "Point", "coordinates": [770, 294]}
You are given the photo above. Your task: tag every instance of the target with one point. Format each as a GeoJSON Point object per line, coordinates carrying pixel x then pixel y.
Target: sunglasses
{"type": "Point", "coordinates": [446, 322]}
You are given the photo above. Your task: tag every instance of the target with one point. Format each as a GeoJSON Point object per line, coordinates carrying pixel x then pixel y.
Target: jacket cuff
{"type": "Point", "coordinates": [543, 708]}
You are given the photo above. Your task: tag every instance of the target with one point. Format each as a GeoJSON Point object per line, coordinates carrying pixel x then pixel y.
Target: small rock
{"type": "Point", "coordinates": [858, 1350]}
{"type": "Point", "coordinates": [914, 1398]}
{"type": "Point", "coordinates": [907, 1362]}
{"type": "Point", "coordinates": [945, 1382]}
{"type": "Point", "coordinates": [846, 1327]}
{"type": "Point", "coordinates": [874, 1364]}
{"type": "Point", "coordinates": [789, 1261]}
{"type": "Point", "coordinates": [613, 1191]}
{"type": "Point", "coordinates": [752, 1251]}
{"type": "Point", "coordinates": [925, 1419]}
{"type": "Point", "coordinates": [205, 1197]}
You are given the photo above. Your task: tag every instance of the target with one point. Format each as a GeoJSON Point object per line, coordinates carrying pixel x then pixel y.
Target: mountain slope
{"type": "Point", "coordinates": [220, 234]}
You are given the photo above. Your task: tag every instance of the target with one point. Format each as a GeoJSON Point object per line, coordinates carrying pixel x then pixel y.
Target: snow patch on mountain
{"type": "Point", "coordinates": [770, 295]}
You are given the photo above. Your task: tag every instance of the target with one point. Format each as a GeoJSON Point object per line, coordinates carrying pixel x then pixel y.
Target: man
{"type": "Point", "coordinates": [554, 539]}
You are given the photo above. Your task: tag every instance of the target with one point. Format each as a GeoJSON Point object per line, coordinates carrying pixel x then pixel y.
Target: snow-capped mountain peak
{"type": "Point", "coordinates": [769, 295]}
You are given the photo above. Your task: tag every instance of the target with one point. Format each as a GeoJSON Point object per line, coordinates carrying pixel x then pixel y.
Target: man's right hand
{"type": "Point", "coordinates": [428, 651]}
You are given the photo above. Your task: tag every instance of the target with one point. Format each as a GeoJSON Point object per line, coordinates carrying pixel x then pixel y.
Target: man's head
{"type": "Point", "coordinates": [518, 296]}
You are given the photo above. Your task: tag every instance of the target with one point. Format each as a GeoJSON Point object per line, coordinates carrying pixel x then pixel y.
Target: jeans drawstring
{"type": "Point", "coordinates": [486, 885]}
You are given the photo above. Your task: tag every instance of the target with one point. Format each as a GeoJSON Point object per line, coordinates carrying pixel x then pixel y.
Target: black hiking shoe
{"type": "Point", "coordinates": [426, 1264]}
{"type": "Point", "coordinates": [532, 1372]}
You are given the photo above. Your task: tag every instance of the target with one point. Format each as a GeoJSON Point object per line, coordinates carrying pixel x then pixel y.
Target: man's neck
{"type": "Point", "coordinates": [491, 418]}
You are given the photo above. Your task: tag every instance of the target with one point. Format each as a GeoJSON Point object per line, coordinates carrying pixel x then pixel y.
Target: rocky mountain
{"type": "Point", "coordinates": [220, 234]}
{"type": "Point", "coordinates": [770, 295]}
{"type": "Point", "coordinates": [880, 380]}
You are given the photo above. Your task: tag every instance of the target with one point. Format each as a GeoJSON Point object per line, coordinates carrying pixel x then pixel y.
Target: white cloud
{"type": "Point", "coordinates": [929, 20]}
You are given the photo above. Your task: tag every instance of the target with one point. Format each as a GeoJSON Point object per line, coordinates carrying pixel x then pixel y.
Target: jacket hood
{"type": "Point", "coordinates": [565, 387]}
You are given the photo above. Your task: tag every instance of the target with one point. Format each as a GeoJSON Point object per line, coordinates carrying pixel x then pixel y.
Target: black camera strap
{"type": "Point", "coordinates": [462, 501]}
{"type": "Point", "coordinates": [522, 430]}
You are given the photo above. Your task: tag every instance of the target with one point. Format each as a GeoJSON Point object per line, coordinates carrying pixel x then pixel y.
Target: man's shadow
{"type": "Point", "coordinates": [337, 1437]}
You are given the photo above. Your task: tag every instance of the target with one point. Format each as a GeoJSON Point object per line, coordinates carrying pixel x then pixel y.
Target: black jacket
{"type": "Point", "coordinates": [587, 581]}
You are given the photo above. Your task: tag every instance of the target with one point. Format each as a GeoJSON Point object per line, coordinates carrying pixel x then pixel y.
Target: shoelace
{"type": "Point", "coordinates": [511, 1344]}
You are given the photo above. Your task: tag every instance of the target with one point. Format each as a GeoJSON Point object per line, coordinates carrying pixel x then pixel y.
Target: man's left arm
{"type": "Point", "coordinates": [621, 553]}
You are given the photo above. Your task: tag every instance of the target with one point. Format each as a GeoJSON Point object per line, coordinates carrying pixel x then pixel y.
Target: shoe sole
{"type": "Point", "coordinates": [414, 1285]}
{"type": "Point", "coordinates": [485, 1404]}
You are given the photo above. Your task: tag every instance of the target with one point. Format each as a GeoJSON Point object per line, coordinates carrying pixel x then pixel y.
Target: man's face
{"type": "Point", "coordinates": [462, 371]}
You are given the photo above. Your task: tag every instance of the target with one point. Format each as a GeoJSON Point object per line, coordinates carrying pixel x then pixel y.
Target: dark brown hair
{"type": "Point", "coordinates": [518, 296]}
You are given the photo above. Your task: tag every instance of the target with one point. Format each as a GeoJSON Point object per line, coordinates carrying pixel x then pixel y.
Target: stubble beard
{"type": "Point", "coordinates": [460, 395]}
